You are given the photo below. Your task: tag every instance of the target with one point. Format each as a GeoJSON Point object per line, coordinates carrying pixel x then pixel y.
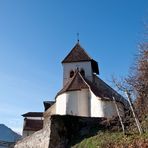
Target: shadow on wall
{"type": "Point", "coordinates": [67, 131]}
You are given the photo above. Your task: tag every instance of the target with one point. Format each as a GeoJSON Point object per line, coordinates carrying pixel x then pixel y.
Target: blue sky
{"type": "Point", "coordinates": [36, 35]}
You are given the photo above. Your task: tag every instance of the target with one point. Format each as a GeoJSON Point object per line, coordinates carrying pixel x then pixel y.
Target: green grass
{"type": "Point", "coordinates": [109, 139]}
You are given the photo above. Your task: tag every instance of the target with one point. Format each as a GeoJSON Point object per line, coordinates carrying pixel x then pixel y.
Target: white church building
{"type": "Point", "coordinates": [84, 93]}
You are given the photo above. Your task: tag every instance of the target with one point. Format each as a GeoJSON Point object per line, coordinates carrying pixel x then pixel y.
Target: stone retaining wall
{"type": "Point", "coordinates": [66, 131]}
{"type": "Point", "coordinates": [39, 139]}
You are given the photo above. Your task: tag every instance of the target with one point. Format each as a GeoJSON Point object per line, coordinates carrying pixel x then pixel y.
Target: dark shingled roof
{"type": "Point", "coordinates": [77, 54]}
{"type": "Point", "coordinates": [76, 83]}
{"type": "Point", "coordinates": [33, 114]}
{"type": "Point", "coordinates": [104, 91]}
{"type": "Point", "coordinates": [48, 104]}
{"type": "Point", "coordinates": [33, 125]}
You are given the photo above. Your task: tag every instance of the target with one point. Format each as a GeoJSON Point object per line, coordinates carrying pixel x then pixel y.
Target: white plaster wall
{"type": "Point", "coordinates": [110, 109]}
{"type": "Point", "coordinates": [101, 108]}
{"type": "Point", "coordinates": [78, 103]}
{"type": "Point", "coordinates": [96, 106]}
{"type": "Point", "coordinates": [35, 118]}
{"type": "Point", "coordinates": [67, 67]}
{"type": "Point", "coordinates": [73, 103]}
{"type": "Point", "coordinates": [85, 103]}
{"type": "Point", "coordinates": [61, 104]}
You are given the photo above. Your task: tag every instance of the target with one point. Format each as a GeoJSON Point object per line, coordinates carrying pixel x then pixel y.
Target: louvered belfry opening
{"type": "Point", "coordinates": [82, 72]}
{"type": "Point", "coordinates": [71, 74]}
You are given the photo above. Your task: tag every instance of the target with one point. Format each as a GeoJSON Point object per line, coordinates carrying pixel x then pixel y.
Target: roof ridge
{"type": "Point", "coordinates": [70, 83]}
{"type": "Point", "coordinates": [84, 80]}
{"type": "Point", "coordinates": [67, 85]}
{"type": "Point", "coordinates": [77, 53]}
{"type": "Point", "coordinates": [84, 51]}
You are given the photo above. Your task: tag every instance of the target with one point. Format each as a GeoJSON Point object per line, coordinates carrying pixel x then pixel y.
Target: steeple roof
{"type": "Point", "coordinates": [77, 54]}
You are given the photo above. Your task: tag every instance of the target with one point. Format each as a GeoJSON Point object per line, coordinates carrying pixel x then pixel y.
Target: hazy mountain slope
{"type": "Point", "coordinates": [6, 134]}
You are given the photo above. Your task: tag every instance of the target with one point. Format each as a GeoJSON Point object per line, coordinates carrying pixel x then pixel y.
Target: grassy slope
{"type": "Point", "coordinates": [117, 139]}
{"type": "Point", "coordinates": [114, 140]}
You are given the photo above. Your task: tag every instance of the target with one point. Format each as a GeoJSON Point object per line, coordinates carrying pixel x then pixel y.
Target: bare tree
{"type": "Point", "coordinates": [122, 86]}
{"type": "Point", "coordinates": [118, 112]}
{"type": "Point", "coordinates": [138, 79]}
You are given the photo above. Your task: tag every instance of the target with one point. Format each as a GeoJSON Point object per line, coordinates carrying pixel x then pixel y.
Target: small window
{"type": "Point", "coordinates": [82, 72]}
{"type": "Point", "coordinates": [71, 74]}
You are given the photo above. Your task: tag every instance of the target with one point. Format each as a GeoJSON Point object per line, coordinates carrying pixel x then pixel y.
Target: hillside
{"type": "Point", "coordinates": [8, 135]}
{"type": "Point", "coordinates": [116, 139]}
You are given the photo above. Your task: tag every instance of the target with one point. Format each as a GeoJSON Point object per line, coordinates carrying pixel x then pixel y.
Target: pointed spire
{"type": "Point", "coordinates": [77, 54]}
{"type": "Point", "coordinates": [78, 37]}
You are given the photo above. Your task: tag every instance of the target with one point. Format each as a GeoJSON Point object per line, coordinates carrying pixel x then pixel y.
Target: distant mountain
{"type": "Point", "coordinates": [7, 134]}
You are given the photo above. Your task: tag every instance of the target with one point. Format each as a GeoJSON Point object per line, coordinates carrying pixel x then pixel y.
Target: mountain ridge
{"type": "Point", "coordinates": [7, 134]}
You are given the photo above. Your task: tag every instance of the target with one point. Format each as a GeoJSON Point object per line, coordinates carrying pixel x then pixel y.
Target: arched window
{"type": "Point", "coordinates": [82, 72]}
{"type": "Point", "coordinates": [71, 74]}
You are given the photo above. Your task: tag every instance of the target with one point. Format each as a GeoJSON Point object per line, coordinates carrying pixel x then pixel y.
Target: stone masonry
{"type": "Point", "coordinates": [66, 131]}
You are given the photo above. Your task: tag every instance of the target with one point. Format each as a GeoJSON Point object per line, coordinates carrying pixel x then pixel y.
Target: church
{"type": "Point", "coordinates": [83, 93]}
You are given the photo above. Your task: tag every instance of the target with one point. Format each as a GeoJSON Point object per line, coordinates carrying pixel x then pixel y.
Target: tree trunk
{"type": "Point", "coordinates": [134, 115]}
{"type": "Point", "coordinates": [118, 112]}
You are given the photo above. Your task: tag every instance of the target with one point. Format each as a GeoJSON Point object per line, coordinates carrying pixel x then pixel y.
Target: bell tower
{"type": "Point", "coordinates": [78, 59]}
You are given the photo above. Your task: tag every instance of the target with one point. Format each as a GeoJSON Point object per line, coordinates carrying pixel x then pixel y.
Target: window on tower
{"type": "Point", "coordinates": [82, 72]}
{"type": "Point", "coordinates": [71, 74]}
